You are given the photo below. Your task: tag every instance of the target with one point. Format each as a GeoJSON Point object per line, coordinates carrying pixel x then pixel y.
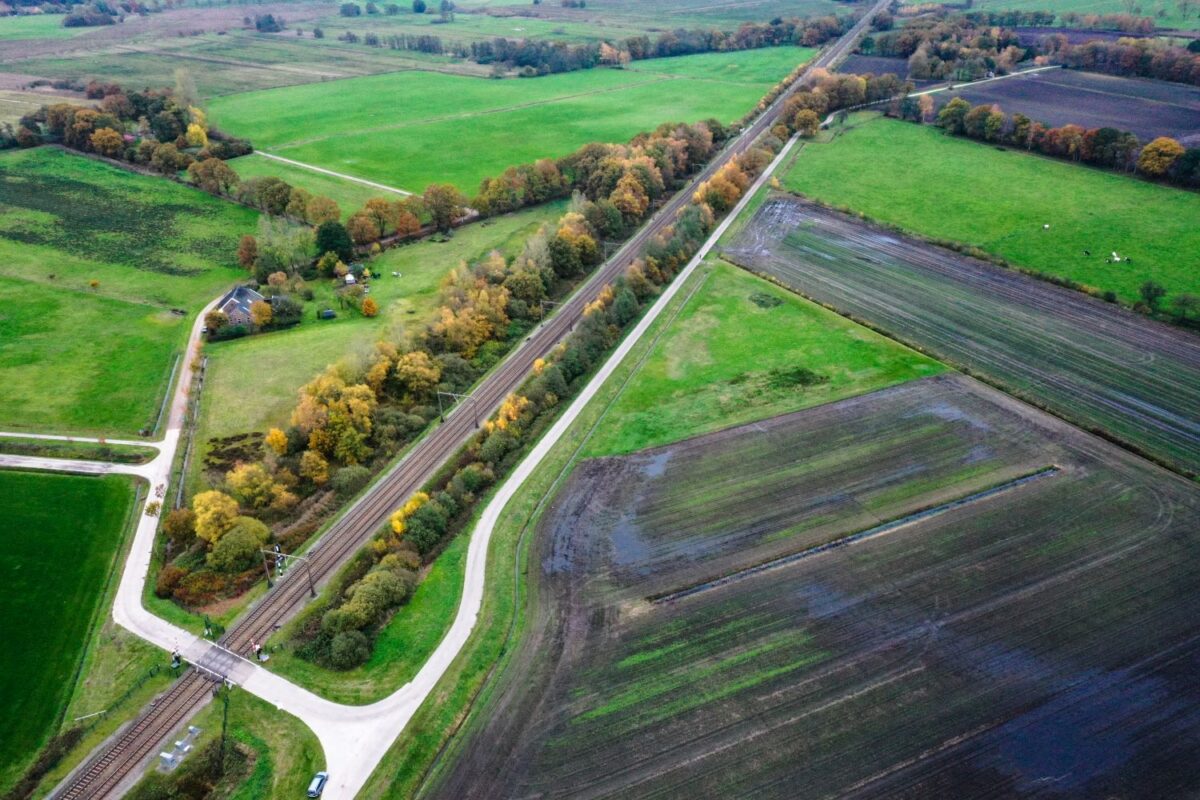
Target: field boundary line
{"type": "Point", "coordinates": [343, 176]}
{"type": "Point", "coordinates": [874, 532]}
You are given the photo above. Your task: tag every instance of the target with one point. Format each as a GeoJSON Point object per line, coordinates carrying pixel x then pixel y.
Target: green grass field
{"type": "Point", "coordinates": [77, 357]}
{"type": "Point", "coordinates": [273, 367]}
{"type": "Point", "coordinates": [350, 196]}
{"type": "Point", "coordinates": [62, 534]}
{"type": "Point", "coordinates": [1164, 12]}
{"type": "Point", "coordinates": [238, 61]}
{"type": "Point", "coordinates": [37, 26]}
{"type": "Point", "coordinates": [712, 367]}
{"type": "Point", "coordinates": [411, 129]}
{"type": "Point", "coordinates": [956, 189]}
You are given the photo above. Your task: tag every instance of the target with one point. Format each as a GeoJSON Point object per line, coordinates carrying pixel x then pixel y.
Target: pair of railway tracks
{"type": "Point", "coordinates": [105, 773]}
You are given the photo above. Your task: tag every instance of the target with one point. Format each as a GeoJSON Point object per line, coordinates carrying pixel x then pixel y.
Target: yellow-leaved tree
{"type": "Point", "coordinates": [400, 516]}
{"type": "Point", "coordinates": [215, 514]}
{"type": "Point", "coordinates": [277, 441]}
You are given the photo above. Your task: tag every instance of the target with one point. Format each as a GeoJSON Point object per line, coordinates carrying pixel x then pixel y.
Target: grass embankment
{"type": "Point", "coordinates": [283, 753]}
{"type": "Point", "coordinates": [87, 451]}
{"type": "Point", "coordinates": [401, 648]}
{"type": "Point", "coordinates": [959, 190]}
{"type": "Point", "coordinates": [407, 129]}
{"type": "Point", "coordinates": [414, 753]}
{"type": "Point", "coordinates": [62, 537]}
{"type": "Point", "coordinates": [92, 261]}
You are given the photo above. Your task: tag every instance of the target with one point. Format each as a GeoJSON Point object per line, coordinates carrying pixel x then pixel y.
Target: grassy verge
{"type": "Point", "coordinates": [999, 201]}
{"type": "Point", "coordinates": [87, 451]}
{"type": "Point", "coordinates": [283, 753]}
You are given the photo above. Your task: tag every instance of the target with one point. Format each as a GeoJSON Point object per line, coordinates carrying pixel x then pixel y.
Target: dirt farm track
{"type": "Point", "coordinates": [1090, 362]}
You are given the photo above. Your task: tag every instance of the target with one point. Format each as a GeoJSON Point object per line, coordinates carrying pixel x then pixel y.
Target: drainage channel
{"type": "Point", "coordinates": [853, 538]}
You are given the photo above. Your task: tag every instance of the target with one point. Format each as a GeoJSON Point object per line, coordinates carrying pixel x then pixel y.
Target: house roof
{"type": "Point", "coordinates": [239, 300]}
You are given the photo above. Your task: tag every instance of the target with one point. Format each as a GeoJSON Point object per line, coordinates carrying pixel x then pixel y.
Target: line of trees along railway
{"type": "Point", "coordinates": [353, 418]}
{"type": "Point", "coordinates": [339, 633]}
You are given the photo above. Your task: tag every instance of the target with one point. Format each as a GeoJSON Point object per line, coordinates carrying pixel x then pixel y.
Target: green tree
{"type": "Point", "coordinates": [951, 118]}
{"type": "Point", "coordinates": [239, 548]}
{"type": "Point", "coordinates": [1152, 294]}
{"type": "Point", "coordinates": [333, 238]}
{"type": "Point", "coordinates": [213, 175]}
{"type": "Point", "coordinates": [349, 649]}
{"type": "Point", "coordinates": [445, 205]}
{"type": "Point", "coordinates": [1186, 305]}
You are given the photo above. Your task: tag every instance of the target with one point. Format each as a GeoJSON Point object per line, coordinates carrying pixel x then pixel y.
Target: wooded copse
{"type": "Point", "coordinates": [961, 47]}
{"type": "Point", "coordinates": [154, 128]}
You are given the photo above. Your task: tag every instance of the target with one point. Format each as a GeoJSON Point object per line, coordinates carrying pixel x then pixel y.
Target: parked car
{"type": "Point", "coordinates": [317, 785]}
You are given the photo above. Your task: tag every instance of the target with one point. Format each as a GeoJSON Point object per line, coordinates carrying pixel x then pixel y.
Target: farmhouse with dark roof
{"type": "Point", "coordinates": [236, 304]}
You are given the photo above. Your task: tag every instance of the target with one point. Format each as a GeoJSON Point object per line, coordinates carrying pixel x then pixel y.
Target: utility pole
{"type": "Point", "coordinates": [222, 691]}
{"type": "Point", "coordinates": [467, 397]}
{"type": "Point", "coordinates": [281, 560]}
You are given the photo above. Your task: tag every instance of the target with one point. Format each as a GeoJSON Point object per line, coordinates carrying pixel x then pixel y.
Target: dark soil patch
{"type": "Point", "coordinates": [968, 653]}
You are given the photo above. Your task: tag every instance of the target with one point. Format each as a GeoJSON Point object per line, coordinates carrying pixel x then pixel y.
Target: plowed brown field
{"type": "Point", "coordinates": [929, 591]}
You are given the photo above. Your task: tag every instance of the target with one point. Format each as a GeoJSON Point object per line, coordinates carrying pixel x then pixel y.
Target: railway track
{"type": "Point", "coordinates": [103, 775]}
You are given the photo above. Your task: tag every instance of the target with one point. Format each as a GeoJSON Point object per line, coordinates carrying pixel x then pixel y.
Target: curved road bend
{"type": "Point", "coordinates": [107, 772]}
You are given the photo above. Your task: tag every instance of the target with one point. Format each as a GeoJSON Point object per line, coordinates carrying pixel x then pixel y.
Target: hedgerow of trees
{"type": "Point", "coordinates": [539, 57]}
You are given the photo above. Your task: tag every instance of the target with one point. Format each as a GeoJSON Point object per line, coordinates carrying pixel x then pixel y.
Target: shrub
{"type": "Point", "coordinates": [180, 527]}
{"type": "Point", "coordinates": [168, 578]}
{"type": "Point", "coordinates": [235, 552]}
{"type": "Point", "coordinates": [349, 649]}
{"type": "Point", "coordinates": [347, 481]}
{"type": "Point", "coordinates": [200, 588]}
